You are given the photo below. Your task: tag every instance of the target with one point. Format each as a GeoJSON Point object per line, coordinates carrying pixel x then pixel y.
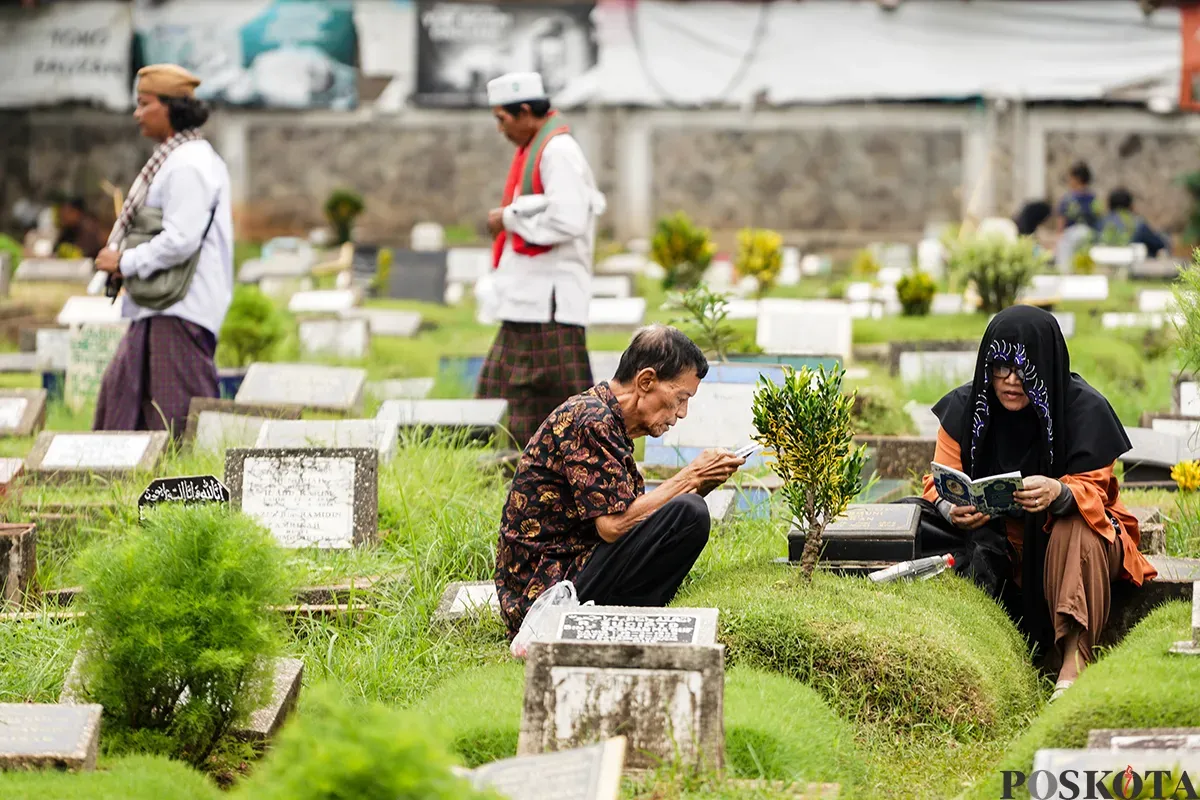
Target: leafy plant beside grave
{"type": "Point", "coordinates": [383, 271]}
{"type": "Point", "coordinates": [865, 265]}
{"type": "Point", "coordinates": [806, 427]}
{"type": "Point", "coordinates": [998, 267]}
{"type": "Point", "coordinates": [180, 633]}
{"type": "Point", "coordinates": [702, 314]}
{"type": "Point", "coordinates": [760, 255]}
{"type": "Point", "coordinates": [916, 293]}
{"type": "Point", "coordinates": [683, 249]}
{"type": "Point", "coordinates": [341, 209]}
{"type": "Point", "coordinates": [253, 328]}
{"type": "Point", "coordinates": [1187, 303]}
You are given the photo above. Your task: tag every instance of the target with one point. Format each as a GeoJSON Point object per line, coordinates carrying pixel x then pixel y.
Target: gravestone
{"type": "Point", "coordinates": [401, 388]}
{"type": "Point", "coordinates": [364, 262]}
{"type": "Point", "coordinates": [667, 699]}
{"type": "Point", "coordinates": [89, 310]}
{"type": "Point", "coordinates": [215, 423]}
{"type": "Point", "coordinates": [1116, 320]}
{"type": "Point", "coordinates": [6, 271]}
{"type": "Point", "coordinates": [1156, 301]}
{"type": "Point", "coordinates": [308, 386]}
{"type": "Point", "coordinates": [336, 338]}
{"type": "Point", "coordinates": [10, 470]}
{"type": "Point", "coordinates": [741, 308]}
{"type": "Point", "coordinates": [18, 563]}
{"type": "Point", "coordinates": [427, 237]}
{"type": "Point", "coordinates": [1066, 322]}
{"type": "Point", "coordinates": [867, 535]}
{"type": "Point", "coordinates": [946, 366]}
{"type": "Point", "coordinates": [90, 350]}
{"type": "Point", "coordinates": [789, 268]}
{"type": "Point", "coordinates": [946, 304]}
{"type": "Point", "coordinates": [1154, 452]}
{"type": "Point", "coordinates": [480, 418]}
{"type": "Point", "coordinates": [1109, 766]}
{"type": "Point", "coordinates": [897, 349]}
{"type": "Point", "coordinates": [61, 456]}
{"type": "Point", "coordinates": [464, 599]}
{"type": "Point", "coordinates": [265, 722]}
{"type": "Point", "coordinates": [630, 625]}
{"type": "Point", "coordinates": [900, 456]}
{"type": "Point", "coordinates": [605, 312]}
{"type": "Point", "coordinates": [57, 270]}
{"type": "Point", "coordinates": [466, 265]}
{"type": "Point", "coordinates": [1070, 287]}
{"type": "Point", "coordinates": [308, 497]}
{"type": "Point", "coordinates": [1184, 428]}
{"type": "Point", "coordinates": [604, 365]}
{"type": "Point", "coordinates": [45, 736]}
{"type": "Point", "coordinates": [22, 411]}
{"type": "Point", "coordinates": [720, 415]}
{"type": "Point", "coordinates": [804, 327]}
{"type": "Point", "coordinates": [382, 322]}
{"type": "Point", "coordinates": [1162, 268]}
{"type": "Point", "coordinates": [614, 286]}
{"type": "Point", "coordinates": [53, 348]}
{"type": "Point", "coordinates": [418, 276]}
{"type": "Point", "coordinates": [581, 773]}
{"type": "Point", "coordinates": [632, 263]}
{"type": "Point", "coordinates": [859, 291]}
{"type": "Point", "coordinates": [187, 490]}
{"type": "Point", "coordinates": [382, 436]}
{"type": "Point", "coordinates": [1191, 647]}
{"type": "Point", "coordinates": [1186, 396]}
{"type": "Point", "coordinates": [322, 301]}
{"type": "Point", "coordinates": [1131, 604]}
{"type": "Point", "coordinates": [1144, 739]}
{"type": "Point", "coordinates": [19, 362]}
{"type": "Point", "coordinates": [279, 267]}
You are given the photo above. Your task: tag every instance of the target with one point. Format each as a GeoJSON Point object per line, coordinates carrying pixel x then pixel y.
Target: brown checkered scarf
{"type": "Point", "coordinates": [141, 184]}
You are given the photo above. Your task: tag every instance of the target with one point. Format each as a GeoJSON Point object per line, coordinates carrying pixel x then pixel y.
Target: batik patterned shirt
{"type": "Point", "coordinates": [577, 467]}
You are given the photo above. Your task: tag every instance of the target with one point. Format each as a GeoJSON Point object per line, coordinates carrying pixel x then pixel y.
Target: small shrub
{"type": "Point", "coordinates": [760, 255]}
{"type": "Point", "coordinates": [337, 749]}
{"type": "Point", "coordinates": [180, 606]}
{"type": "Point", "coordinates": [341, 209]}
{"type": "Point", "coordinates": [806, 427]}
{"type": "Point", "coordinates": [253, 328]}
{"type": "Point", "coordinates": [682, 249]}
{"type": "Point", "coordinates": [702, 316]}
{"type": "Point", "coordinates": [1191, 231]}
{"type": "Point", "coordinates": [1082, 263]}
{"type": "Point", "coordinates": [383, 271]}
{"type": "Point", "coordinates": [865, 265]}
{"type": "Point", "coordinates": [998, 267]}
{"type": "Point", "coordinates": [1187, 301]}
{"type": "Point", "coordinates": [916, 293]}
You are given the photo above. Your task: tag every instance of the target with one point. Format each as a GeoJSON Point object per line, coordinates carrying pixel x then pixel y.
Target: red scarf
{"type": "Point", "coordinates": [529, 178]}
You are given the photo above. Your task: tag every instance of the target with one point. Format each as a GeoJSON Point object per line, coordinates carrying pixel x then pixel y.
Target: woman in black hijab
{"type": "Point", "coordinates": [1051, 561]}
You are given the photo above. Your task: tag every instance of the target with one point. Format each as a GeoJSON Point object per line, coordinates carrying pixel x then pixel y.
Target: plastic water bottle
{"type": "Point", "coordinates": [922, 568]}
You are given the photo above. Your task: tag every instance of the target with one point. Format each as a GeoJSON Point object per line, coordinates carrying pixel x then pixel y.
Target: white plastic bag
{"type": "Point", "coordinates": [536, 627]}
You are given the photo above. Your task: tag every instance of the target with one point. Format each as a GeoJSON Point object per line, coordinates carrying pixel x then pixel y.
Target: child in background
{"type": "Point", "coordinates": [1078, 206]}
{"type": "Point", "coordinates": [1123, 227]}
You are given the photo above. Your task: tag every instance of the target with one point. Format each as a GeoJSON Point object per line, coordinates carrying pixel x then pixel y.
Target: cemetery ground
{"type": "Point", "coordinates": [898, 690]}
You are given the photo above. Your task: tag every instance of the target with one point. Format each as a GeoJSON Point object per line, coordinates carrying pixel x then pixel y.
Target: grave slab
{"type": "Point", "coordinates": [1131, 604]}
{"type": "Point", "coordinates": [418, 276]}
{"type": "Point", "coordinates": [401, 388]}
{"type": "Point", "coordinates": [895, 350]}
{"type": "Point", "coordinates": [668, 700]}
{"type": "Point", "coordinates": [10, 470]}
{"type": "Point", "coordinates": [322, 301]}
{"type": "Point", "coordinates": [1144, 739]}
{"type": "Point", "coordinates": [209, 416]}
{"type": "Point", "coordinates": [607, 312]}
{"type": "Point", "coordinates": [62, 456]}
{"type": "Point", "coordinates": [1191, 647]}
{"type": "Point", "coordinates": [48, 736]}
{"type": "Point", "coordinates": [265, 722]}
{"type": "Point", "coordinates": [1115, 764]}
{"type": "Point", "coordinates": [53, 348]}
{"type": "Point", "coordinates": [89, 310]}
{"type": "Point", "coordinates": [1186, 396]}
{"type": "Point", "coordinates": [617, 287]}
{"type": "Point", "coordinates": [380, 435]}
{"type": "Point", "coordinates": [720, 415]}
{"type": "Point", "coordinates": [634, 625]}
{"type": "Point", "coordinates": [463, 599]}
{"type": "Point", "coordinates": [19, 362]}
{"type": "Point", "coordinates": [1072, 287]}
{"type": "Point", "coordinates": [923, 418]}
{"type": "Point", "coordinates": [57, 270]}
{"type": "Point", "coordinates": [953, 367]}
{"type": "Point", "coordinates": [581, 773]}
{"type": "Point", "coordinates": [382, 322]}
{"type": "Point", "coordinates": [946, 304]}
{"type": "Point", "coordinates": [466, 265]}
{"type": "Point", "coordinates": [427, 237]}
{"type": "Point", "coordinates": [1154, 452]}
{"type": "Point", "coordinates": [335, 338]}
{"type": "Point", "coordinates": [804, 327]}
{"type": "Point", "coordinates": [1117, 320]}
{"type": "Point", "coordinates": [309, 386]}
{"type": "Point", "coordinates": [480, 418]}
{"type": "Point", "coordinates": [326, 498]}
{"type": "Point", "coordinates": [22, 411]}
{"type": "Point", "coordinates": [604, 365]}
{"type": "Point", "coordinates": [18, 563]}
{"type": "Point", "coordinates": [89, 351]}
{"type": "Point", "coordinates": [1152, 301]}
{"type": "Point", "coordinates": [866, 535]}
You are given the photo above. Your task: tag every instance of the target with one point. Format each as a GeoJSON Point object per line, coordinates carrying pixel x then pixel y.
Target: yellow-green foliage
{"type": "Point", "coordinates": [865, 265]}
{"type": "Point", "coordinates": [383, 270]}
{"type": "Point", "coordinates": [806, 426]}
{"type": "Point", "coordinates": [1187, 300]}
{"type": "Point", "coordinates": [253, 328]}
{"type": "Point", "coordinates": [683, 249]}
{"type": "Point", "coordinates": [1082, 263]}
{"type": "Point", "coordinates": [998, 267]}
{"type": "Point", "coordinates": [760, 254]}
{"type": "Point", "coordinates": [916, 293]}
{"type": "Point", "coordinates": [701, 314]}
{"type": "Point", "coordinates": [129, 778]}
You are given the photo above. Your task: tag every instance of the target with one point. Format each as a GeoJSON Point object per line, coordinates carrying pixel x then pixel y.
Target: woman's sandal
{"type": "Point", "coordinates": [1060, 689]}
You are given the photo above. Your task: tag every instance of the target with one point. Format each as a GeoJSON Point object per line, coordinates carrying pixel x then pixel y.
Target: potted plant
{"type": "Point", "coordinates": [806, 427]}
{"type": "Point", "coordinates": [682, 249]}
{"type": "Point", "coordinates": [997, 266]}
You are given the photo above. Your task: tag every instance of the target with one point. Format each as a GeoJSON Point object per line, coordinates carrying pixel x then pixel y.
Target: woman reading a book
{"type": "Point", "coordinates": [1051, 555]}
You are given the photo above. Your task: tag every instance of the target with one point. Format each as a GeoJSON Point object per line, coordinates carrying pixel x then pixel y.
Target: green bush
{"type": "Point", "coordinates": [180, 605]}
{"type": "Point", "coordinates": [682, 249]}
{"type": "Point", "coordinates": [760, 254]}
{"type": "Point", "coordinates": [339, 749]}
{"type": "Point", "coordinates": [1187, 300]}
{"type": "Point", "coordinates": [916, 656]}
{"type": "Point", "coordinates": [341, 209]}
{"type": "Point", "coordinates": [129, 778]}
{"type": "Point", "coordinates": [1138, 684]}
{"type": "Point", "coordinates": [253, 328]}
{"type": "Point", "coordinates": [998, 267]}
{"type": "Point", "coordinates": [702, 314]}
{"type": "Point", "coordinates": [865, 265]}
{"type": "Point", "coordinates": [916, 293]}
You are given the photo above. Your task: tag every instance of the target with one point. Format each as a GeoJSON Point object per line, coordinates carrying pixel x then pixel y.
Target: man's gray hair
{"type": "Point", "coordinates": [664, 349]}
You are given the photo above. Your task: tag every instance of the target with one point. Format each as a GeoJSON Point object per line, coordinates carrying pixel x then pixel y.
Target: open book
{"type": "Point", "coordinates": [584, 773]}
{"type": "Point", "coordinates": [992, 495]}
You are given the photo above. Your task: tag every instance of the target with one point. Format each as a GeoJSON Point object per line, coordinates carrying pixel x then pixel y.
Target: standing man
{"type": "Point", "coordinates": [166, 357]}
{"type": "Point", "coordinates": [545, 237]}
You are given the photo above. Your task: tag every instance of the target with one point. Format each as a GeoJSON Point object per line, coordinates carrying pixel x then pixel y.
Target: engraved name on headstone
{"type": "Point", "coordinates": [662, 628]}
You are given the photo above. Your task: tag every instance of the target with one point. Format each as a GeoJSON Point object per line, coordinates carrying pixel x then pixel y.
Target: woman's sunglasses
{"type": "Point", "coordinates": [1002, 371]}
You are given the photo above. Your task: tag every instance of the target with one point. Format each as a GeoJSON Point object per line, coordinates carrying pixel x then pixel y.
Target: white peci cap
{"type": "Point", "coordinates": [515, 87]}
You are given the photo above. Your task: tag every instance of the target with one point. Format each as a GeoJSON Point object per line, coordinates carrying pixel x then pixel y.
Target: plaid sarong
{"type": "Point", "coordinates": [536, 367]}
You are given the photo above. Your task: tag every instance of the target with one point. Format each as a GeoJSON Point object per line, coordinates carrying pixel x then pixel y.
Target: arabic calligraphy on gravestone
{"type": "Point", "coordinates": [187, 489]}
{"type": "Point", "coordinates": [628, 628]}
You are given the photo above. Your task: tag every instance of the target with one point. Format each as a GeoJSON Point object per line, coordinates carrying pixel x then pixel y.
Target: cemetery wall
{"type": "Point", "coordinates": [823, 175]}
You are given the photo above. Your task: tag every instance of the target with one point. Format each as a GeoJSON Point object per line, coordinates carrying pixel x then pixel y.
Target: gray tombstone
{"type": "Point", "coordinates": [45, 736]}
{"type": "Point", "coordinates": [334, 338]}
{"type": "Point", "coordinates": [61, 456]}
{"type": "Point", "coordinates": [57, 270]}
{"type": "Point", "coordinates": [401, 389]}
{"type": "Point", "coordinates": [866, 536]}
{"type": "Point", "coordinates": [466, 599]}
{"type": "Point", "coordinates": [1144, 739]}
{"type": "Point", "coordinates": [53, 348]}
{"type": "Point", "coordinates": [304, 386]}
{"type": "Point", "coordinates": [581, 773]}
{"type": "Point", "coordinates": [466, 265]}
{"type": "Point", "coordinates": [634, 625]}
{"type": "Point", "coordinates": [22, 411]}
{"type": "Point", "coordinates": [217, 423]}
{"type": "Point", "coordinates": [479, 417]}
{"type": "Point", "coordinates": [308, 497]}
{"type": "Point", "coordinates": [383, 436]}
{"type": "Point", "coordinates": [384, 322]}
{"type": "Point", "coordinates": [418, 276]}
{"type": "Point", "coordinates": [322, 301]}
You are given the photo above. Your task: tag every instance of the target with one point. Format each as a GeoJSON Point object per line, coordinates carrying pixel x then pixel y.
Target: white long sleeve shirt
{"type": "Point", "coordinates": [189, 182]}
{"type": "Point", "coordinates": [563, 217]}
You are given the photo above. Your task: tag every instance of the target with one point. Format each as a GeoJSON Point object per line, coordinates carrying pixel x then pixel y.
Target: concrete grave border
{"type": "Point", "coordinates": [34, 418]}
{"type": "Point", "coordinates": [150, 457]}
{"type": "Point", "coordinates": [224, 406]}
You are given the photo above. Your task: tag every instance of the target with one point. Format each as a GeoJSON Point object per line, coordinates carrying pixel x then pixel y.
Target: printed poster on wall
{"type": "Point", "coordinates": [260, 53]}
{"type": "Point", "coordinates": [66, 52]}
{"type": "Point", "coordinates": [462, 46]}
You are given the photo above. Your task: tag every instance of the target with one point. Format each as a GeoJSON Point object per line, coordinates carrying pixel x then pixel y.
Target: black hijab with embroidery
{"type": "Point", "coordinates": [1067, 428]}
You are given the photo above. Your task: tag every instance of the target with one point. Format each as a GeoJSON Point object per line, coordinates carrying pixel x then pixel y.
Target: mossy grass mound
{"type": "Point", "coordinates": [1137, 684]}
{"type": "Point", "coordinates": [936, 653]}
{"type": "Point", "coordinates": [130, 778]}
{"type": "Point", "coordinates": [775, 728]}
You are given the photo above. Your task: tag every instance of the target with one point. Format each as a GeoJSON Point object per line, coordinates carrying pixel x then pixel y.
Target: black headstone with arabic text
{"type": "Point", "coordinates": [867, 535]}
{"type": "Point", "coordinates": [189, 489]}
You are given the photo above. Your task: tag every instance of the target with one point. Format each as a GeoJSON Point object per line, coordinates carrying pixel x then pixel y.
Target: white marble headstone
{"type": "Point", "coordinates": [789, 271]}
{"type": "Point", "coordinates": [95, 451]}
{"type": "Point", "coordinates": [615, 286]}
{"type": "Point", "coordinates": [628, 312]}
{"type": "Point", "coordinates": [1189, 398]}
{"type": "Point", "coordinates": [88, 310]}
{"type": "Point", "coordinates": [1156, 300]}
{"type": "Point", "coordinates": [380, 435]}
{"type": "Point", "coordinates": [466, 265]}
{"type": "Point", "coordinates": [936, 365]}
{"type": "Point", "coordinates": [444, 413]}
{"type": "Point", "coordinates": [382, 322]}
{"type": "Point", "coordinates": [308, 385]}
{"type": "Point", "coordinates": [804, 327]}
{"type": "Point", "coordinates": [218, 430]}
{"type": "Point", "coordinates": [719, 415]}
{"type": "Point", "coordinates": [53, 347]}
{"type": "Point", "coordinates": [12, 409]}
{"type": "Point", "coordinates": [322, 301]}
{"type": "Point", "coordinates": [337, 338]}
{"type": "Point", "coordinates": [305, 502]}
{"type": "Point", "coordinates": [428, 237]}
{"type": "Point", "coordinates": [946, 304]}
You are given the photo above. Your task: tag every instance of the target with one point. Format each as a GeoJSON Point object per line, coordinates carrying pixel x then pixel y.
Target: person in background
{"type": "Point", "coordinates": [545, 237]}
{"type": "Point", "coordinates": [1079, 206]}
{"type": "Point", "coordinates": [1121, 226]}
{"type": "Point", "coordinates": [1032, 216]}
{"type": "Point", "coordinates": [79, 227]}
{"type": "Point", "coordinates": [166, 357]}
{"type": "Point", "coordinates": [577, 509]}
{"type": "Point", "coordinates": [1052, 561]}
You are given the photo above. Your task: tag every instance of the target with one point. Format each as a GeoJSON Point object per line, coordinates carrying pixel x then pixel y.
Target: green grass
{"type": "Point", "coordinates": [129, 778]}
